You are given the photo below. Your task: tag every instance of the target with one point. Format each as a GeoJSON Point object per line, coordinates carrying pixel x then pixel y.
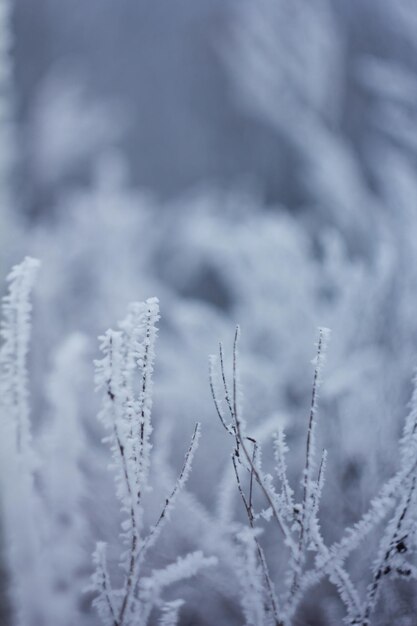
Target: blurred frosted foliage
{"type": "Point", "coordinates": [63, 448]}
{"type": "Point", "coordinates": [61, 115]}
{"type": "Point", "coordinates": [288, 63]}
{"type": "Point", "coordinates": [303, 75]}
{"type": "Point", "coordinates": [297, 122]}
{"type": "Point", "coordinates": [6, 155]}
{"type": "Point", "coordinates": [213, 259]}
{"type": "Point", "coordinates": [7, 144]}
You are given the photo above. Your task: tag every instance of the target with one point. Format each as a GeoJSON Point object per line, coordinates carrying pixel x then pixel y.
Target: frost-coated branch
{"type": "Point", "coordinates": [22, 519]}
{"type": "Point", "coordinates": [145, 360]}
{"type": "Point", "coordinates": [103, 602]}
{"type": "Point", "coordinates": [124, 375]}
{"type": "Point", "coordinates": [298, 522]}
{"type": "Point", "coordinates": [239, 431]}
{"type": "Point", "coordinates": [398, 493]}
{"type": "Point", "coordinates": [152, 587]}
{"type": "Point", "coordinates": [270, 602]}
{"type": "Point", "coordinates": [183, 567]}
{"type": "Point", "coordinates": [15, 335]}
{"type": "Point", "coordinates": [280, 450]}
{"type": "Point", "coordinates": [252, 579]}
{"type": "Point", "coordinates": [393, 547]}
{"type": "Point", "coordinates": [307, 507]}
{"type": "Point", "coordinates": [171, 499]}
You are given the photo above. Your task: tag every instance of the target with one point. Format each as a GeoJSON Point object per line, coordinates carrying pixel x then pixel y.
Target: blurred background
{"type": "Point", "coordinates": [246, 161]}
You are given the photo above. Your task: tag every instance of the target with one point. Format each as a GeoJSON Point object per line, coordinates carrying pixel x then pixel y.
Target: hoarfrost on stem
{"type": "Point", "coordinates": [124, 375]}
{"type": "Point", "coordinates": [20, 503]}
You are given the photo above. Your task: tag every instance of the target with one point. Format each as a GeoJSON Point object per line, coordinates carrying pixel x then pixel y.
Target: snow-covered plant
{"type": "Point", "coordinates": [41, 485]}
{"type": "Point", "coordinates": [15, 333]}
{"type": "Point", "coordinates": [20, 506]}
{"type": "Point", "coordinates": [310, 559]}
{"type": "Point", "coordinates": [124, 374]}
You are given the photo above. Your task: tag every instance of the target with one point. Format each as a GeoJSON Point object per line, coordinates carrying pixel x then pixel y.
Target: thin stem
{"type": "Point", "coordinates": [147, 543]}
{"type": "Point", "coordinates": [260, 552]}
{"type": "Point", "coordinates": [397, 543]}
{"type": "Point", "coordinates": [251, 476]}
{"type": "Point", "coordinates": [215, 399]}
{"type": "Point", "coordinates": [225, 386]}
{"type": "Point", "coordinates": [142, 409]}
{"type": "Point", "coordinates": [241, 442]}
{"type": "Point", "coordinates": [307, 469]}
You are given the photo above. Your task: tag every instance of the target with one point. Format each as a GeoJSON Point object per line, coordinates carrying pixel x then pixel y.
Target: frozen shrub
{"type": "Point", "coordinates": [309, 559]}
{"type": "Point", "coordinates": [42, 485]}
{"type": "Point", "coordinates": [20, 504]}
{"type": "Point", "coordinates": [126, 413]}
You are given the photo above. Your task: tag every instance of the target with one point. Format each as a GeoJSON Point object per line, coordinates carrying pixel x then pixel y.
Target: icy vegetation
{"type": "Point", "coordinates": [309, 560]}
{"type": "Point", "coordinates": [126, 413]}
{"type": "Point", "coordinates": [276, 484]}
{"type": "Point", "coordinates": [44, 586]}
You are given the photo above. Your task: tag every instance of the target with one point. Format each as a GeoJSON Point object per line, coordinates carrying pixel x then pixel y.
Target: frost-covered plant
{"type": "Point", "coordinates": [124, 374]}
{"type": "Point", "coordinates": [310, 559]}
{"type": "Point", "coordinates": [40, 485]}
{"type": "Point", "coordinates": [20, 506]}
{"type": "Point", "coordinates": [15, 333]}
